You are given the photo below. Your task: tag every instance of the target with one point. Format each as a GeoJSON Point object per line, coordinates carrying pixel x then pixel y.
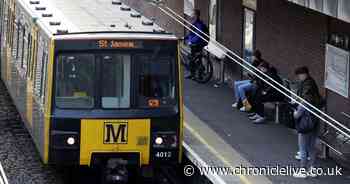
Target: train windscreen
{"type": "Point", "coordinates": [115, 80]}
{"type": "Point", "coordinates": [75, 81]}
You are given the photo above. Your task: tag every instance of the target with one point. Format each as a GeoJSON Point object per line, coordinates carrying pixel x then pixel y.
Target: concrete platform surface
{"type": "Point", "coordinates": [222, 136]}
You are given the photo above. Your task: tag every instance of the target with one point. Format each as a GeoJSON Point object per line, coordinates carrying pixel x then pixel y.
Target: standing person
{"type": "Point", "coordinates": [257, 59]}
{"type": "Point", "coordinates": [196, 42]}
{"type": "Point", "coordinates": [306, 123]}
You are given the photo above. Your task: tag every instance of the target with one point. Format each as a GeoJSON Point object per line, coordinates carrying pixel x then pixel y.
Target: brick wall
{"type": "Point", "coordinates": [162, 19]}
{"type": "Point", "coordinates": [290, 36]}
{"type": "Point", "coordinates": [232, 37]}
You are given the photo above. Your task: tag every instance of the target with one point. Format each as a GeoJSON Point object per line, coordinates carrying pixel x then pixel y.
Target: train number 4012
{"type": "Point", "coordinates": [163, 154]}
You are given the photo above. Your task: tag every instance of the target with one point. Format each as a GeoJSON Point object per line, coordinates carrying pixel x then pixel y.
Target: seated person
{"type": "Point", "coordinates": [256, 62]}
{"type": "Point", "coordinates": [251, 88]}
{"type": "Point", "coordinates": [265, 93]}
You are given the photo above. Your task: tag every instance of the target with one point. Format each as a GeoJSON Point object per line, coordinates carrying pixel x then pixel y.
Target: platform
{"type": "Point", "coordinates": [217, 135]}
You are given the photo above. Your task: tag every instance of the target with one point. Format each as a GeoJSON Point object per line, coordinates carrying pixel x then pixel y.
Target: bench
{"type": "Point", "coordinates": [276, 105]}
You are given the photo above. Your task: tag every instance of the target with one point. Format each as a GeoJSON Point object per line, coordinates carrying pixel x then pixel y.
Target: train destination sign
{"type": "Point", "coordinates": [115, 44]}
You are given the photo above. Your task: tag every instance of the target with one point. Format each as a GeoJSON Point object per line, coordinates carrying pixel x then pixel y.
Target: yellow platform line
{"type": "Point", "coordinates": [243, 178]}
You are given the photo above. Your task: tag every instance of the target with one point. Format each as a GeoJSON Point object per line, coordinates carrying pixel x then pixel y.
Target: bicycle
{"type": "Point", "coordinates": [204, 67]}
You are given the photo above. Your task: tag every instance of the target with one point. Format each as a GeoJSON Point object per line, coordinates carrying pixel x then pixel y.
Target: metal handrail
{"type": "Point", "coordinates": [343, 128]}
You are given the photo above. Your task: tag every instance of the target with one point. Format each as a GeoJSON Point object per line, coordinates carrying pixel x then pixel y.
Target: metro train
{"type": "Point", "coordinates": [96, 83]}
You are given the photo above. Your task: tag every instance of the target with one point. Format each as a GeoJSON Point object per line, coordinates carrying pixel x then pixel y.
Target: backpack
{"type": "Point", "coordinates": [307, 123]}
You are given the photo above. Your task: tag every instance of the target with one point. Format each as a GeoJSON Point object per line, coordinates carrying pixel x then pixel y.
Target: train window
{"type": "Point", "coordinates": [15, 42]}
{"type": "Point", "coordinates": [43, 78]}
{"type": "Point", "coordinates": [75, 81]}
{"type": "Point", "coordinates": [38, 68]}
{"type": "Point", "coordinates": [8, 25]}
{"type": "Point", "coordinates": [18, 40]}
{"type": "Point", "coordinates": [28, 53]}
{"type": "Point", "coordinates": [12, 27]}
{"type": "Point", "coordinates": [20, 44]}
{"type": "Point", "coordinates": [39, 78]}
{"type": "Point", "coordinates": [1, 16]}
{"type": "Point", "coordinates": [24, 42]}
{"type": "Point", "coordinates": [156, 80]}
{"type": "Point", "coordinates": [33, 63]}
{"type": "Point", "coordinates": [116, 81]}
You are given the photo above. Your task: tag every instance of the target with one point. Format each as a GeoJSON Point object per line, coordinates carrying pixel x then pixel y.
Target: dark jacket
{"type": "Point", "coordinates": [193, 38]}
{"type": "Point", "coordinates": [263, 87]}
{"type": "Point", "coordinates": [308, 90]}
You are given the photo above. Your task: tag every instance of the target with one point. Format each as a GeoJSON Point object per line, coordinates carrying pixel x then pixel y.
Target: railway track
{"type": "Point", "coordinates": [18, 155]}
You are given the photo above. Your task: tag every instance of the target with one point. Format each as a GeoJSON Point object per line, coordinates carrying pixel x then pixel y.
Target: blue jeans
{"type": "Point", "coordinates": [307, 143]}
{"type": "Point", "coordinates": [236, 85]}
{"type": "Point", "coordinates": [243, 88]}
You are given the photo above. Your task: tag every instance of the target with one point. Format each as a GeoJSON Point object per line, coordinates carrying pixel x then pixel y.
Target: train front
{"type": "Point", "coordinates": [116, 103]}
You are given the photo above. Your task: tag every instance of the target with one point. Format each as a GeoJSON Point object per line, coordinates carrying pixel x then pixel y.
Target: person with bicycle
{"type": "Point", "coordinates": [195, 42]}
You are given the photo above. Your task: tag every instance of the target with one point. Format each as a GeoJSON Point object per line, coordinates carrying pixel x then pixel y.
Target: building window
{"type": "Point", "coordinates": [213, 19]}
{"type": "Point", "coordinates": [248, 34]}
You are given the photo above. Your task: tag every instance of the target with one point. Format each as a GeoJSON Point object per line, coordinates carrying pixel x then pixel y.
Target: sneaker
{"type": "Point", "coordinates": [251, 114]}
{"type": "Point", "coordinates": [299, 174]}
{"type": "Point", "coordinates": [234, 105]}
{"type": "Point", "coordinates": [256, 116]}
{"type": "Point", "coordinates": [298, 157]}
{"type": "Point", "coordinates": [242, 109]}
{"type": "Point", "coordinates": [259, 120]}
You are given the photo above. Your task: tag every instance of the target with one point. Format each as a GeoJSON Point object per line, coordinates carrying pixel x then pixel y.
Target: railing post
{"type": "Point", "coordinates": [222, 70]}
{"type": "Point", "coordinates": [277, 113]}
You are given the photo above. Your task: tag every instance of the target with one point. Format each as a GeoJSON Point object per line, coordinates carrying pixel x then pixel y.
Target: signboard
{"type": "Point", "coordinates": [103, 44]}
{"type": "Point", "coordinates": [337, 70]}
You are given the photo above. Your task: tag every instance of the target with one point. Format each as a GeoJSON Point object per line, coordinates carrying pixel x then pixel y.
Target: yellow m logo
{"type": "Point", "coordinates": [115, 133]}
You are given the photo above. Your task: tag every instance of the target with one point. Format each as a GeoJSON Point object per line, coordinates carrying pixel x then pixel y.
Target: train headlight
{"type": "Point", "coordinates": [159, 141]}
{"type": "Point", "coordinates": [166, 141]}
{"type": "Point", "coordinates": [70, 141]}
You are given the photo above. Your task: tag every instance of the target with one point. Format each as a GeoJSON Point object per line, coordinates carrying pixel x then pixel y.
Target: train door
{"type": "Point", "coordinates": [32, 57]}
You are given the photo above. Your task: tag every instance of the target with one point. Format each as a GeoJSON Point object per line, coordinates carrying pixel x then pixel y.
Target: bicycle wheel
{"type": "Point", "coordinates": [204, 71]}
